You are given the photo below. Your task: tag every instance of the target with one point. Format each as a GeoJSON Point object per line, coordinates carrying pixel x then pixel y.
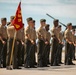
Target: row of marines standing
{"type": "Point", "coordinates": [26, 46]}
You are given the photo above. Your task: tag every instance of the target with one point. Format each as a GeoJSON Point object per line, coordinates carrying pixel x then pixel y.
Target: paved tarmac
{"type": "Point", "coordinates": [61, 70]}
{"type": "Point", "coordinates": [52, 70]}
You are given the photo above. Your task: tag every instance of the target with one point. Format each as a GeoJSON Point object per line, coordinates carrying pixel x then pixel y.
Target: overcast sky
{"type": "Point", "coordinates": [64, 10]}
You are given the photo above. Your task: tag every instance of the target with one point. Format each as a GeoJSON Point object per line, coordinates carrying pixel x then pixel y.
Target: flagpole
{"type": "Point", "coordinates": [13, 47]}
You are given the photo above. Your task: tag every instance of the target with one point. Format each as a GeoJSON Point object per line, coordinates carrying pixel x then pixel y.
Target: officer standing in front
{"type": "Point", "coordinates": [55, 43]}
{"type": "Point", "coordinates": [11, 33]}
{"type": "Point", "coordinates": [33, 45]}
{"type": "Point", "coordinates": [68, 45]}
{"type": "Point", "coordinates": [3, 41]}
{"type": "Point", "coordinates": [41, 43]}
{"type": "Point", "coordinates": [29, 42]}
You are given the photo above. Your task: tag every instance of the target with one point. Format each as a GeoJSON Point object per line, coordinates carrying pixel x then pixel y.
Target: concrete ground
{"type": "Point", "coordinates": [61, 70]}
{"type": "Point", "coordinates": [52, 70]}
